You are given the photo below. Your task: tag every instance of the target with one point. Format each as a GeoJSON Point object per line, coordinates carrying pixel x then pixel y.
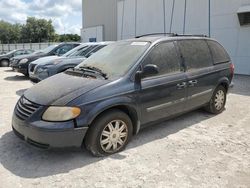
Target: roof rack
{"type": "Point", "coordinates": [193, 35]}
{"type": "Point", "coordinates": [172, 35]}
{"type": "Point", "coordinates": [151, 34]}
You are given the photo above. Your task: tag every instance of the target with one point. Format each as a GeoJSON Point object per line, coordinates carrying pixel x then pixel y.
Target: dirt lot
{"type": "Point", "coordinates": [194, 150]}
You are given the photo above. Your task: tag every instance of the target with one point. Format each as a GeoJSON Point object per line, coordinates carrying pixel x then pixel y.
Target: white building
{"type": "Point", "coordinates": [226, 20]}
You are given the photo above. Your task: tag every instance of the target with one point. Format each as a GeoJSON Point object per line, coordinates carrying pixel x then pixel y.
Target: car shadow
{"type": "Point", "coordinates": [20, 92]}
{"type": "Point", "coordinates": [27, 161]}
{"type": "Point", "coordinates": [16, 78]}
{"type": "Point", "coordinates": [9, 70]}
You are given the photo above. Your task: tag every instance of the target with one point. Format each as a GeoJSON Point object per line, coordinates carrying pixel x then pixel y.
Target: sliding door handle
{"type": "Point", "coordinates": [192, 82]}
{"type": "Point", "coordinates": [181, 85]}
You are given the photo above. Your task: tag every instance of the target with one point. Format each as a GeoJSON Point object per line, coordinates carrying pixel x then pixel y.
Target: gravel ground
{"type": "Point", "coordinates": [194, 150]}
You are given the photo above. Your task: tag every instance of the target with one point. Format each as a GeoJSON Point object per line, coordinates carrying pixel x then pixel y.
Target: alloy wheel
{"type": "Point", "coordinates": [114, 136]}
{"type": "Point", "coordinates": [219, 99]}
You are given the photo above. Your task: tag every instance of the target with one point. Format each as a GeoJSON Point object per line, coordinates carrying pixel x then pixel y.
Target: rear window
{"type": "Point", "coordinates": [195, 53]}
{"type": "Point", "coordinates": [218, 52]}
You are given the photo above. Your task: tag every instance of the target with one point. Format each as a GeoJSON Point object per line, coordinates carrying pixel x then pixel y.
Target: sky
{"type": "Point", "coordinates": [66, 15]}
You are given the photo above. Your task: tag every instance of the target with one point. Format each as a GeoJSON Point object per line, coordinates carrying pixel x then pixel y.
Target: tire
{"type": "Point", "coordinates": [218, 101]}
{"type": "Point", "coordinates": [101, 143]}
{"type": "Point", "coordinates": [4, 63]}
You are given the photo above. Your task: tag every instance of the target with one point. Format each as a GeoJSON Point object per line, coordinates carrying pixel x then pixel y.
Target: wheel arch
{"type": "Point", "coordinates": [5, 59]}
{"type": "Point", "coordinates": [127, 109]}
{"type": "Point", "coordinates": [224, 82]}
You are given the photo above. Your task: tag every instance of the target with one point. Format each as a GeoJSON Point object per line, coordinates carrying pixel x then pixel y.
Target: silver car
{"type": "Point", "coordinates": [49, 66]}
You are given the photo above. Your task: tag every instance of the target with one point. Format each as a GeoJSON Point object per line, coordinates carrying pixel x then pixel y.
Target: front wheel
{"type": "Point", "coordinates": [218, 101]}
{"type": "Point", "coordinates": [4, 63]}
{"type": "Point", "coordinates": [109, 134]}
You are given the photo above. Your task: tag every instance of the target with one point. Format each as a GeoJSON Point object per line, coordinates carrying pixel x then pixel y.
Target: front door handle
{"type": "Point", "coordinates": [181, 85]}
{"type": "Point", "coordinates": [192, 82]}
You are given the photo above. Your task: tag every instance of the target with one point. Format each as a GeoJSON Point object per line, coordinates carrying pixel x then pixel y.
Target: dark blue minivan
{"type": "Point", "coordinates": [122, 88]}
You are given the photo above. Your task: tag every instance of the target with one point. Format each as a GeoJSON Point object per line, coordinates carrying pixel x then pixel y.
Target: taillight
{"type": "Point", "coordinates": [232, 69]}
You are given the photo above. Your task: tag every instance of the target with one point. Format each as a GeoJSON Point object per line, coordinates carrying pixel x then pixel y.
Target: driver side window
{"type": "Point", "coordinates": [17, 53]}
{"type": "Point", "coordinates": [165, 56]}
{"type": "Point", "coordinates": [62, 50]}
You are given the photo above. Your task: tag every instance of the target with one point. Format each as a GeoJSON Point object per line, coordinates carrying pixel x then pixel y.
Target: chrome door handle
{"type": "Point", "coordinates": [181, 85]}
{"type": "Point", "coordinates": [192, 82]}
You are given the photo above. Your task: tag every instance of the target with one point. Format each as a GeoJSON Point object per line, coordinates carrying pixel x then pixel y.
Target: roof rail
{"type": "Point", "coordinates": [172, 35]}
{"type": "Point", "coordinates": [191, 35]}
{"type": "Point", "coordinates": [151, 34]}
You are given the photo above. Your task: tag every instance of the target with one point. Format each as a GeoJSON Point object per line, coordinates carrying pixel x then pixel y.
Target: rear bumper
{"type": "Point", "coordinates": [231, 86]}
{"type": "Point", "coordinates": [48, 138]}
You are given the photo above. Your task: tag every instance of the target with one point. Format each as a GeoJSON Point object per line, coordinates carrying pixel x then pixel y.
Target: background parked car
{"type": "Point", "coordinates": [5, 58]}
{"type": "Point", "coordinates": [49, 66]}
{"type": "Point", "coordinates": [21, 64]}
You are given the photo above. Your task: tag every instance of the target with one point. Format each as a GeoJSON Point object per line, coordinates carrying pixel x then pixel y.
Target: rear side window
{"type": "Point", "coordinates": [165, 57]}
{"type": "Point", "coordinates": [218, 52]}
{"type": "Point", "coordinates": [196, 54]}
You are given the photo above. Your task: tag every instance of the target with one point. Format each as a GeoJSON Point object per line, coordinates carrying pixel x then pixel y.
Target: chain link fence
{"type": "Point", "coordinates": [4, 48]}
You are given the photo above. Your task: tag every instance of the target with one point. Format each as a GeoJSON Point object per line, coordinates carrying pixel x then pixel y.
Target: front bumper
{"type": "Point", "coordinates": [38, 76]}
{"type": "Point", "coordinates": [48, 138]}
{"type": "Point", "coordinates": [20, 69]}
{"type": "Point", "coordinates": [34, 78]}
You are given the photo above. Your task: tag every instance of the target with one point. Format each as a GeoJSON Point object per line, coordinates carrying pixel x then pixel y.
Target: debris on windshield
{"type": "Point", "coordinates": [95, 70]}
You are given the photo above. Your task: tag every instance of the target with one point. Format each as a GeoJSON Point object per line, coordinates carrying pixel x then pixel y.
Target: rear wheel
{"type": "Point", "coordinates": [218, 100]}
{"type": "Point", "coordinates": [109, 134]}
{"type": "Point", "coordinates": [4, 63]}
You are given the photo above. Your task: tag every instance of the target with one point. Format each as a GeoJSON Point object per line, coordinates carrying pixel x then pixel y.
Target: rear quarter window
{"type": "Point", "coordinates": [219, 54]}
{"type": "Point", "coordinates": [196, 54]}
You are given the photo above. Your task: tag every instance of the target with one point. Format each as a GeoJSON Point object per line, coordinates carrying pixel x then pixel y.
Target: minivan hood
{"type": "Point", "coordinates": [50, 91]}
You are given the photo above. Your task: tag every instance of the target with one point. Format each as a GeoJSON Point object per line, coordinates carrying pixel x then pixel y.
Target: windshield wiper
{"type": "Point", "coordinates": [93, 70]}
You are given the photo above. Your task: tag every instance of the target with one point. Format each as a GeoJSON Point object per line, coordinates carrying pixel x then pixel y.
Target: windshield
{"type": "Point", "coordinates": [48, 49]}
{"type": "Point", "coordinates": [115, 59]}
{"type": "Point", "coordinates": [75, 52]}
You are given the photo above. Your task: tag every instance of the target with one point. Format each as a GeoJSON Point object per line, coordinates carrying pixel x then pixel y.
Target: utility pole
{"type": "Point", "coordinates": [164, 13]}
{"type": "Point", "coordinates": [209, 18]}
{"type": "Point", "coordinates": [184, 22]}
{"type": "Point", "coordinates": [172, 15]}
{"type": "Point", "coordinates": [135, 17]}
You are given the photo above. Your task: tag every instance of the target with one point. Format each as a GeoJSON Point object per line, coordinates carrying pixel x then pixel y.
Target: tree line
{"type": "Point", "coordinates": [33, 31]}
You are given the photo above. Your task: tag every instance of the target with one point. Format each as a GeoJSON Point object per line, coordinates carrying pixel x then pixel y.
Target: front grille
{"type": "Point", "coordinates": [15, 62]}
{"type": "Point", "coordinates": [25, 108]}
{"type": "Point", "coordinates": [32, 67]}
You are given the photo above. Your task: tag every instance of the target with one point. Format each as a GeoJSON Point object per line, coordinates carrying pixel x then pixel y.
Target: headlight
{"type": "Point", "coordinates": [41, 69]}
{"type": "Point", "coordinates": [56, 113]}
{"type": "Point", "coordinates": [57, 61]}
{"type": "Point", "coordinates": [23, 61]}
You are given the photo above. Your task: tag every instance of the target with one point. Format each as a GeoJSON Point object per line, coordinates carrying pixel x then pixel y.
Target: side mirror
{"type": "Point", "coordinates": [148, 70]}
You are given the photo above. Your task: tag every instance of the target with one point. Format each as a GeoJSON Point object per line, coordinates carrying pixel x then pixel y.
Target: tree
{"type": "Point", "coordinates": [38, 30]}
{"type": "Point", "coordinates": [69, 37]}
{"type": "Point", "coordinates": [34, 30]}
{"type": "Point", "coordinates": [9, 33]}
